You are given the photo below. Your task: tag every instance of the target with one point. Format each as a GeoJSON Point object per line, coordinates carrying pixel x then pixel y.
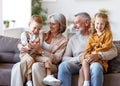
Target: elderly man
{"type": "Point", "coordinates": [74, 52]}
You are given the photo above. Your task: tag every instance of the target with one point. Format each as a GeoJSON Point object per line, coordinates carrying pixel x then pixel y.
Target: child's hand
{"type": "Point", "coordinates": [36, 41]}
{"type": "Point", "coordinates": [25, 49]}
{"type": "Point", "coordinates": [94, 52]}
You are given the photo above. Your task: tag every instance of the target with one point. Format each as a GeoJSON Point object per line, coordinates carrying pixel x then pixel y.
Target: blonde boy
{"type": "Point", "coordinates": [26, 52]}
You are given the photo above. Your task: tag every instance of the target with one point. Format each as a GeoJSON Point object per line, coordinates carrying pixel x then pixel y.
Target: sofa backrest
{"type": "Point", "coordinates": [8, 49]}
{"type": "Point", "coordinates": [114, 64]}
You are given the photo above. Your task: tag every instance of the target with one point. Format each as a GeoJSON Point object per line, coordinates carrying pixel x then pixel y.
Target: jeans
{"type": "Point", "coordinates": [65, 72]}
{"type": "Point", "coordinates": [67, 69]}
{"type": "Point", "coordinates": [96, 73]}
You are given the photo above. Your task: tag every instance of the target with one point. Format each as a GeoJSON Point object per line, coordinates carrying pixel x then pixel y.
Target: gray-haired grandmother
{"type": "Point", "coordinates": [53, 45]}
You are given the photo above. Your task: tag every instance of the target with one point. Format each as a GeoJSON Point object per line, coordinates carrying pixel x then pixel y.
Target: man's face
{"type": "Point", "coordinates": [78, 24]}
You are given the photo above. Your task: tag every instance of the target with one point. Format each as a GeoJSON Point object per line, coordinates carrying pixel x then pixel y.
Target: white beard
{"type": "Point", "coordinates": [80, 31]}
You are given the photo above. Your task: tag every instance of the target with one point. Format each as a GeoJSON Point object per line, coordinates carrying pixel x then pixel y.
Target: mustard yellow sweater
{"type": "Point", "coordinates": [99, 43]}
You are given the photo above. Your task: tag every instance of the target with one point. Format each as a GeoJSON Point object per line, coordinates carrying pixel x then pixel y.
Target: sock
{"type": "Point", "coordinates": [29, 83]}
{"type": "Point", "coordinates": [86, 83]}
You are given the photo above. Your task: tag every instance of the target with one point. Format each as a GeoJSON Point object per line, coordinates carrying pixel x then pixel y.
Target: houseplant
{"type": "Point", "coordinates": [39, 10]}
{"type": "Point", "coordinates": [6, 23]}
{"type": "Point", "coordinates": [13, 23]}
{"type": "Point", "coordinates": [103, 10]}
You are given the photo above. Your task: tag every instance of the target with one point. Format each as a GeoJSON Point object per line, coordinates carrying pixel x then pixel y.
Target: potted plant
{"type": "Point", "coordinates": [38, 10]}
{"type": "Point", "coordinates": [13, 23]}
{"type": "Point", "coordinates": [6, 23]}
{"type": "Point", "coordinates": [103, 10]}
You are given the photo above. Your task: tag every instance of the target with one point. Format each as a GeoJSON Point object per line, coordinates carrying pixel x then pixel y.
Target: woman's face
{"type": "Point", "coordinates": [54, 25]}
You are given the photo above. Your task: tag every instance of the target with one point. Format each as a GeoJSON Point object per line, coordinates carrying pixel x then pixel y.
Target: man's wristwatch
{"type": "Point", "coordinates": [99, 56]}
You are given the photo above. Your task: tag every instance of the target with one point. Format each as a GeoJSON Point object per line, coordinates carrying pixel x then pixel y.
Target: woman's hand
{"type": "Point", "coordinates": [35, 46]}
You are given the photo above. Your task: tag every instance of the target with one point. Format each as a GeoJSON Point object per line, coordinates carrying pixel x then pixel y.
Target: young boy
{"type": "Point", "coordinates": [32, 36]}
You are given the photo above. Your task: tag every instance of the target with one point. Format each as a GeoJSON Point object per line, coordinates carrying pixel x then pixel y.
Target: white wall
{"type": "Point", "coordinates": [19, 10]}
{"type": "Point", "coordinates": [0, 17]}
{"type": "Point", "coordinates": [70, 7]}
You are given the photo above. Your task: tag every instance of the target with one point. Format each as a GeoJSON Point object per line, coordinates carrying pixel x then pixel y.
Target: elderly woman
{"type": "Point", "coordinates": [53, 45]}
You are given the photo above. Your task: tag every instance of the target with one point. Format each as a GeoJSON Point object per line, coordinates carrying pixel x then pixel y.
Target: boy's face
{"type": "Point", "coordinates": [34, 27]}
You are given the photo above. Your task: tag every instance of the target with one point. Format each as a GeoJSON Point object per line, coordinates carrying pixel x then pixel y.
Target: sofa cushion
{"type": "Point", "coordinates": [5, 74]}
{"type": "Point", "coordinates": [8, 49]}
{"type": "Point", "coordinates": [112, 79]}
{"type": "Point", "coordinates": [9, 57]}
{"type": "Point", "coordinates": [8, 44]}
{"type": "Point", "coordinates": [114, 64]}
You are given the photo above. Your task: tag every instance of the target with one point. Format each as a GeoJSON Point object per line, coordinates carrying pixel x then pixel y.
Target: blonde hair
{"type": "Point", "coordinates": [104, 17]}
{"type": "Point", "coordinates": [37, 18]}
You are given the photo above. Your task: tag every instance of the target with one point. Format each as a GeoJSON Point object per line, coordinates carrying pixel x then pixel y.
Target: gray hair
{"type": "Point", "coordinates": [84, 16]}
{"type": "Point", "coordinates": [60, 18]}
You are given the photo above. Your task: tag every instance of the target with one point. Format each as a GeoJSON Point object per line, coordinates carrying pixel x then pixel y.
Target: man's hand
{"type": "Point", "coordinates": [92, 58]}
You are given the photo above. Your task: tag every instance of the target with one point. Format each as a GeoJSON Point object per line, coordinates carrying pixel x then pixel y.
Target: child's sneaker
{"type": "Point", "coordinates": [50, 80]}
{"type": "Point", "coordinates": [29, 83]}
